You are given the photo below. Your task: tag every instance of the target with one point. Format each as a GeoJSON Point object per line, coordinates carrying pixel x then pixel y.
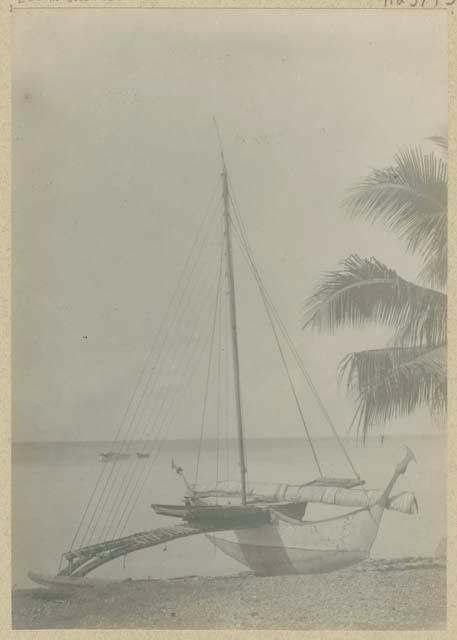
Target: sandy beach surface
{"type": "Point", "coordinates": [379, 594]}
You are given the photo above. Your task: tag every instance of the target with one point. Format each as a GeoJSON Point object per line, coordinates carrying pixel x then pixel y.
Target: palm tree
{"type": "Point", "coordinates": [410, 197]}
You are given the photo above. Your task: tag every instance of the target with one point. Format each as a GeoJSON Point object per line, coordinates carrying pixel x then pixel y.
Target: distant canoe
{"type": "Point", "coordinates": [111, 455]}
{"type": "Point", "coordinates": [139, 454]}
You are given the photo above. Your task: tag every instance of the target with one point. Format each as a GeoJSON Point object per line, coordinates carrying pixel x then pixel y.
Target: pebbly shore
{"type": "Point", "coordinates": [409, 593]}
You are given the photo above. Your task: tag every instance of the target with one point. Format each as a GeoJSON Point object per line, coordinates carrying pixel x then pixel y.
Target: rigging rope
{"type": "Point", "coordinates": [159, 447]}
{"type": "Point", "coordinates": [138, 384]}
{"type": "Point", "coordinates": [137, 484]}
{"type": "Point", "coordinates": [226, 405]}
{"type": "Point", "coordinates": [161, 410]}
{"type": "Point", "coordinates": [284, 332]}
{"type": "Point", "coordinates": [218, 411]}
{"type": "Point", "coordinates": [108, 491]}
{"type": "Point", "coordinates": [210, 357]}
{"type": "Point", "coordinates": [152, 418]}
{"type": "Point", "coordinates": [142, 378]}
{"type": "Point", "coordinates": [286, 368]}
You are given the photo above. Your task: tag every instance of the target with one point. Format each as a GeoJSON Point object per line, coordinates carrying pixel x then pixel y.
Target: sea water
{"type": "Point", "coordinates": [52, 483]}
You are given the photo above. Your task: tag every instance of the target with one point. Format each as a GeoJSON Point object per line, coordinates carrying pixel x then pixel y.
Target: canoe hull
{"type": "Point", "coordinates": [270, 561]}
{"type": "Point", "coordinates": [284, 548]}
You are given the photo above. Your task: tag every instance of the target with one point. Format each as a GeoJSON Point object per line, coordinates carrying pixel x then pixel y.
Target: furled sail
{"type": "Point", "coordinates": [405, 502]}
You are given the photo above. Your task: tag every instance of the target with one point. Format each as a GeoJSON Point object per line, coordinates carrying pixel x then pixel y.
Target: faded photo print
{"type": "Point", "coordinates": [229, 319]}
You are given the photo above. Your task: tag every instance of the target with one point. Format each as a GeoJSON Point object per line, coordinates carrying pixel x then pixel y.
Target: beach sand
{"type": "Point", "coordinates": [379, 594]}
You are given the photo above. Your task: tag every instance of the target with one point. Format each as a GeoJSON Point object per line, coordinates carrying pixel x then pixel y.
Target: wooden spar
{"type": "Point", "coordinates": [236, 361]}
{"type": "Point", "coordinates": [83, 561]}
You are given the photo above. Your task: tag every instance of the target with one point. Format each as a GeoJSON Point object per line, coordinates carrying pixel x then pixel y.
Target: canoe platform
{"type": "Point", "coordinates": [222, 516]}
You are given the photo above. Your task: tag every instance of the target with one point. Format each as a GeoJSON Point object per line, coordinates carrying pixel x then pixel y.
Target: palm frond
{"type": "Point", "coordinates": [366, 291]}
{"type": "Point", "coordinates": [435, 270]}
{"type": "Point", "coordinates": [411, 198]}
{"type": "Point", "coordinates": [440, 141]}
{"type": "Point", "coordinates": [392, 383]}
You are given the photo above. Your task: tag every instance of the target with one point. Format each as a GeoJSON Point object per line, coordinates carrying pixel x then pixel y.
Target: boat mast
{"type": "Point", "coordinates": [236, 360]}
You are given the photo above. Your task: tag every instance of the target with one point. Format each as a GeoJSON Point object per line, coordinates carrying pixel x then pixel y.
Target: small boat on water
{"type": "Point", "coordinates": [112, 455]}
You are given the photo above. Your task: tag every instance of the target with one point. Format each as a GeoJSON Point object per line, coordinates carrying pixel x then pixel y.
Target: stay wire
{"type": "Point", "coordinates": [185, 291]}
{"type": "Point", "coordinates": [109, 489]}
{"type": "Point", "coordinates": [156, 409]}
{"type": "Point", "coordinates": [167, 397]}
{"type": "Point", "coordinates": [171, 361]}
{"type": "Point", "coordinates": [154, 415]}
{"type": "Point", "coordinates": [163, 412]}
{"type": "Point", "coordinates": [163, 432]}
{"type": "Point", "coordinates": [286, 368]}
{"type": "Point", "coordinates": [210, 357]}
{"type": "Point", "coordinates": [226, 376]}
{"type": "Point", "coordinates": [218, 410]}
{"type": "Point", "coordinates": [289, 341]}
{"type": "Point", "coordinates": [242, 225]}
{"type": "Point", "coordinates": [159, 448]}
{"type": "Point", "coordinates": [159, 337]}
{"type": "Point", "coordinates": [137, 386]}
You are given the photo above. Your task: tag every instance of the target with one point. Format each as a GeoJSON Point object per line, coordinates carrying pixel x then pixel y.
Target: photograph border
{"type": "Point", "coordinates": [7, 10]}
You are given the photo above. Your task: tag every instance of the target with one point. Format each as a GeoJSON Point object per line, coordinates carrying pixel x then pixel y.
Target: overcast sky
{"type": "Point", "coordinates": [115, 156]}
